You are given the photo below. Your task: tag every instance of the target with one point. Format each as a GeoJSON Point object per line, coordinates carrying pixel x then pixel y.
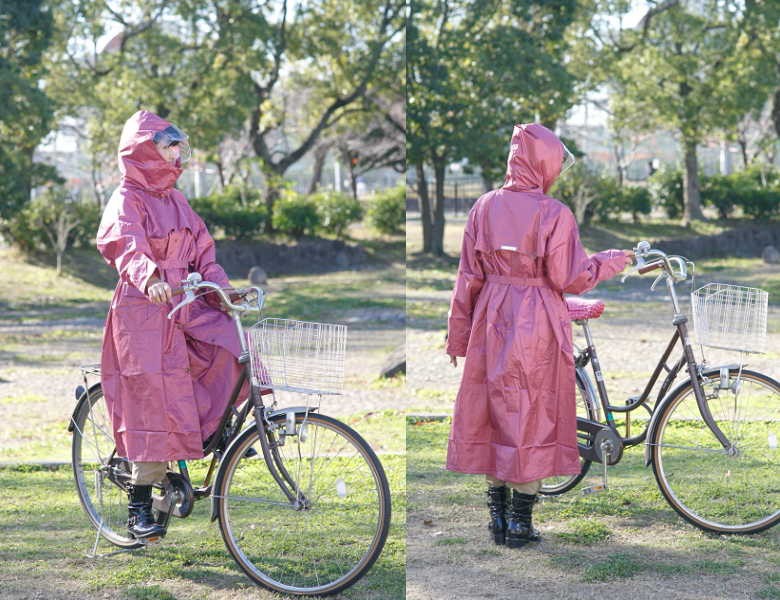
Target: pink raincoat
{"type": "Point", "coordinates": [515, 415]}
{"type": "Point", "coordinates": [166, 382]}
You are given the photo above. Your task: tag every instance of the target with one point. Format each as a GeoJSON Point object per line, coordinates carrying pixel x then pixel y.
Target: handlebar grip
{"type": "Point", "coordinates": [651, 267]}
{"type": "Point", "coordinates": [177, 291]}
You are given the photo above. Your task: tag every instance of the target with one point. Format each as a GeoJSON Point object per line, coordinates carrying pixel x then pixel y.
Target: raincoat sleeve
{"type": "Point", "coordinates": [568, 267]}
{"type": "Point", "coordinates": [464, 296]}
{"type": "Point", "coordinates": [122, 242]}
{"type": "Point", "coordinates": [206, 256]}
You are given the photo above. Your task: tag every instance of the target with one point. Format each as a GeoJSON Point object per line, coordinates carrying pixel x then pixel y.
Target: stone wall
{"type": "Point", "coordinates": [308, 255]}
{"type": "Point", "coordinates": [746, 242]}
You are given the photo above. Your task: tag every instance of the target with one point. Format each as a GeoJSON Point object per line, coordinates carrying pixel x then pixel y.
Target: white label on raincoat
{"type": "Point", "coordinates": [512, 248]}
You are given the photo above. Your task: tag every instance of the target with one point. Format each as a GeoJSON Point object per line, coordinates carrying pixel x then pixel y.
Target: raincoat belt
{"type": "Point", "coordinates": [510, 280]}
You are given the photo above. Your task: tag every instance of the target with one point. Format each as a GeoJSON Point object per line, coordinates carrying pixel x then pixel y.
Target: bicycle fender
{"type": "Point", "coordinates": [713, 370]}
{"type": "Point", "coordinates": [84, 394]}
{"type": "Point", "coordinates": [236, 440]}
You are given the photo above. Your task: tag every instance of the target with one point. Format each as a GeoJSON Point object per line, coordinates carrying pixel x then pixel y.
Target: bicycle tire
{"type": "Point", "coordinates": [104, 501]}
{"type": "Point", "coordinates": [708, 487]}
{"type": "Point", "coordinates": [555, 486]}
{"type": "Point", "coordinates": [277, 544]}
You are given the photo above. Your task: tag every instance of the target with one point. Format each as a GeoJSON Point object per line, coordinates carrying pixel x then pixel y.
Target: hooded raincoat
{"type": "Point", "coordinates": [515, 412]}
{"type": "Point", "coordinates": [166, 382]}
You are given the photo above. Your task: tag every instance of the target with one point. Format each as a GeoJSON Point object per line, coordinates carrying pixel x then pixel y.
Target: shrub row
{"type": "Point", "coordinates": [755, 191]}
{"type": "Point", "coordinates": [297, 215]}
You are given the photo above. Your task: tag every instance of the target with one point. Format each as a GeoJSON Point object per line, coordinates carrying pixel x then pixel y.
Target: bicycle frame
{"type": "Point", "coordinates": [687, 360]}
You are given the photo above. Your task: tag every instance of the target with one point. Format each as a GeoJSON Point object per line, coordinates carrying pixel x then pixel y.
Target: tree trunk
{"type": "Point", "coordinates": [691, 195]}
{"type": "Point", "coordinates": [221, 173]}
{"type": "Point", "coordinates": [59, 263]}
{"type": "Point", "coordinates": [437, 229]}
{"type": "Point", "coordinates": [320, 155]}
{"type": "Point", "coordinates": [425, 206]}
{"type": "Point", "coordinates": [273, 181]}
{"type": "Point", "coordinates": [743, 149]}
{"type": "Point", "coordinates": [487, 184]}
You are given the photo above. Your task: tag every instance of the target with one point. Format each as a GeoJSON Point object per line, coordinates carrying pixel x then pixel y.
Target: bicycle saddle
{"type": "Point", "coordinates": [580, 309]}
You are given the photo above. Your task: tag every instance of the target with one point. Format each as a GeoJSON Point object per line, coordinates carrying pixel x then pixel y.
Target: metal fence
{"type": "Point", "coordinates": [459, 194]}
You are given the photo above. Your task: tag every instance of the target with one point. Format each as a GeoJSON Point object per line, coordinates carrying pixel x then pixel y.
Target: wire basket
{"type": "Point", "coordinates": [298, 356]}
{"type": "Point", "coordinates": [731, 317]}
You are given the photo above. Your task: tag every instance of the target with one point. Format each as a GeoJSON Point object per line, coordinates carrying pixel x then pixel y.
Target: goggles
{"type": "Point", "coordinates": [567, 161]}
{"type": "Point", "coordinates": [173, 137]}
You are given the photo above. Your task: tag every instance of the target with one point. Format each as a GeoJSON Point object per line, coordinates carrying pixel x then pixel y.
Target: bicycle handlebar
{"type": "Point", "coordinates": [194, 282]}
{"type": "Point", "coordinates": [674, 266]}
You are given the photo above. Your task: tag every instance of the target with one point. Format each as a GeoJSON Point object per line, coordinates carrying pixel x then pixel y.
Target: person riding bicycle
{"type": "Point", "coordinates": [515, 416]}
{"type": "Point", "coordinates": [166, 382]}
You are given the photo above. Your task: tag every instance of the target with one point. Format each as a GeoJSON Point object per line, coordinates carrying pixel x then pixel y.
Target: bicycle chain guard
{"type": "Point", "coordinates": [178, 498]}
{"type": "Point", "coordinates": [600, 440]}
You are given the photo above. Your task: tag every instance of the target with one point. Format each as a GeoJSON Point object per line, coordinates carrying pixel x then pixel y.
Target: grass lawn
{"type": "Point", "coordinates": [46, 535]}
{"type": "Point", "coordinates": [628, 533]}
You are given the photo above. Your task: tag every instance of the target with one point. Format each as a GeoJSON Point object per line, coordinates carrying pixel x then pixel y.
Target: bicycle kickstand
{"type": "Point", "coordinates": [606, 456]}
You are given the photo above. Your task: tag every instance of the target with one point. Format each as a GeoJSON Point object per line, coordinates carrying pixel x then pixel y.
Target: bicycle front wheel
{"type": "Point", "coordinates": [330, 536]}
{"type": "Point", "coordinates": [718, 490]}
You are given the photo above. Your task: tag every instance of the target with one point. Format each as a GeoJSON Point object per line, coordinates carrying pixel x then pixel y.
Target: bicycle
{"type": "Point", "coordinates": [306, 515]}
{"type": "Point", "coordinates": [712, 439]}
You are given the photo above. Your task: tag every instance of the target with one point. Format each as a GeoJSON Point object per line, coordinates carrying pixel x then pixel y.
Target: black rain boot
{"type": "Point", "coordinates": [519, 530]}
{"type": "Point", "coordinates": [140, 522]}
{"type": "Point", "coordinates": [497, 507]}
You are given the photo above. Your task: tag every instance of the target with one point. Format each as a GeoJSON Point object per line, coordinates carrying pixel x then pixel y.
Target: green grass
{"type": "Point", "coordinates": [600, 538]}
{"type": "Point", "coordinates": [614, 566]}
{"type": "Point", "coordinates": [585, 531]}
{"type": "Point", "coordinates": [46, 532]}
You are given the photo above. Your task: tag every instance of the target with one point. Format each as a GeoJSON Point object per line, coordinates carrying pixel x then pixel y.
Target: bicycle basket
{"type": "Point", "coordinates": [298, 356]}
{"type": "Point", "coordinates": [731, 317]}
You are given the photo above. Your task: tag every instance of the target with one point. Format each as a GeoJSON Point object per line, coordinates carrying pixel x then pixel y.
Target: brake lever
{"type": "Point", "coordinates": [657, 281]}
{"type": "Point", "coordinates": [189, 296]}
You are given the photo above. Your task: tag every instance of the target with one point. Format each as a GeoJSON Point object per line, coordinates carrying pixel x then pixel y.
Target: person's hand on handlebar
{"type": "Point", "coordinates": [158, 291]}
{"type": "Point", "coordinates": [630, 257]}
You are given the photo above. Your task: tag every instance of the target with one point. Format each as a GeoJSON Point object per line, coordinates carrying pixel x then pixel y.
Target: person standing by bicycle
{"type": "Point", "coordinates": [515, 415]}
{"type": "Point", "coordinates": [166, 382]}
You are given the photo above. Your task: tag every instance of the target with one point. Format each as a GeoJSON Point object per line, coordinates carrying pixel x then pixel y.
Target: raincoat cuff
{"type": "Point", "coordinates": [455, 349]}
{"type": "Point", "coordinates": [141, 273]}
{"type": "Point", "coordinates": [614, 262]}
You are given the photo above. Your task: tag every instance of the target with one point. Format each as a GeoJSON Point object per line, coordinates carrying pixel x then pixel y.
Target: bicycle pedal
{"type": "Point", "coordinates": [594, 489]}
{"type": "Point", "coordinates": [151, 540]}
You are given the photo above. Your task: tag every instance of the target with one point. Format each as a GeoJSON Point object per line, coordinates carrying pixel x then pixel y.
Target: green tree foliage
{"type": "Point", "coordinates": [691, 68]}
{"type": "Point", "coordinates": [53, 221]}
{"type": "Point", "coordinates": [235, 212]}
{"type": "Point", "coordinates": [336, 211]}
{"type": "Point", "coordinates": [666, 186]}
{"type": "Point", "coordinates": [295, 214]}
{"type": "Point", "coordinates": [474, 67]}
{"type": "Point", "coordinates": [25, 109]}
{"type": "Point", "coordinates": [387, 211]}
{"type": "Point", "coordinates": [288, 71]}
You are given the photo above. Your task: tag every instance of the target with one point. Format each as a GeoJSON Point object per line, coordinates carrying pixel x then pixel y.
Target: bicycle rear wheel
{"type": "Point", "coordinates": [329, 539]}
{"type": "Point", "coordinates": [710, 487]}
{"type": "Point", "coordinates": [555, 486]}
{"type": "Point", "coordinates": [99, 474]}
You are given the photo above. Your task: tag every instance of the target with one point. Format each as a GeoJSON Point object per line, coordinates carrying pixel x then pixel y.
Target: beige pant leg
{"type": "Point", "coordinates": [148, 473]}
{"type": "Point", "coordinates": [529, 487]}
{"type": "Point", "coordinates": [493, 481]}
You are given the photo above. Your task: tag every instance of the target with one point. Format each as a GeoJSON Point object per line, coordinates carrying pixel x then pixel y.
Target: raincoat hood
{"type": "Point", "coordinates": [534, 161]}
{"type": "Point", "coordinates": [139, 161]}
